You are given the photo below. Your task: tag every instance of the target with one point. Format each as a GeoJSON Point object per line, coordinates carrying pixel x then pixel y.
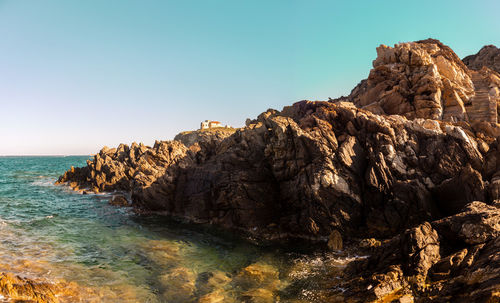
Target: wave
{"type": "Point", "coordinates": [43, 181]}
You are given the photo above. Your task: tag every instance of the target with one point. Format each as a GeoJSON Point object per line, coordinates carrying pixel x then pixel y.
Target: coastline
{"type": "Point", "coordinates": [404, 166]}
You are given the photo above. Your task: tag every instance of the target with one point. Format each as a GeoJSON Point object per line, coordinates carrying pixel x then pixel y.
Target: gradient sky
{"type": "Point", "coordinates": [78, 75]}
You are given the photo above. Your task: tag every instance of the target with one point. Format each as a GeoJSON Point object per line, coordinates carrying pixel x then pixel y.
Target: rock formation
{"type": "Point", "coordinates": [125, 167]}
{"type": "Point", "coordinates": [426, 79]}
{"type": "Point", "coordinates": [488, 56]}
{"type": "Point", "coordinates": [412, 161]}
{"type": "Point", "coordinates": [189, 138]}
{"type": "Point", "coordinates": [312, 169]}
{"type": "Point", "coordinates": [454, 259]}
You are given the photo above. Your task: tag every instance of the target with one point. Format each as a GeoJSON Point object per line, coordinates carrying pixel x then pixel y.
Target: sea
{"type": "Point", "coordinates": [105, 253]}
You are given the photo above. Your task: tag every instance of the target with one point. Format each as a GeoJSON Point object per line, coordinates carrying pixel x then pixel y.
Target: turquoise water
{"type": "Point", "coordinates": [111, 254]}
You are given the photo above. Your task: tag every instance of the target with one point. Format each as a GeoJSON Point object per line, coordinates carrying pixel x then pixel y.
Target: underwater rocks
{"type": "Point", "coordinates": [26, 290]}
{"type": "Point", "coordinates": [14, 288]}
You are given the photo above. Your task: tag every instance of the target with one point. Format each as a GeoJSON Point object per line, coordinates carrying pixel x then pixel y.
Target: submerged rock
{"type": "Point", "coordinates": [335, 241]}
{"type": "Point", "coordinates": [259, 282]}
{"type": "Point", "coordinates": [178, 285]}
{"type": "Point", "coordinates": [14, 288]}
{"type": "Point", "coordinates": [26, 290]}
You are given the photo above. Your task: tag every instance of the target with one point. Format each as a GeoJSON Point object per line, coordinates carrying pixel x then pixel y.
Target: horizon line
{"type": "Point", "coordinates": [48, 155]}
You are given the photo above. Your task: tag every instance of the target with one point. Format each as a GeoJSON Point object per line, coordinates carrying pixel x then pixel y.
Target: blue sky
{"type": "Point", "coordinates": [78, 75]}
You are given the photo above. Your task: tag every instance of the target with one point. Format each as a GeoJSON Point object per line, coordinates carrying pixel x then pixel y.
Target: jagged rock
{"type": "Point", "coordinates": [454, 259]}
{"type": "Point", "coordinates": [423, 79]}
{"type": "Point", "coordinates": [477, 224]}
{"type": "Point", "coordinates": [454, 193]}
{"type": "Point", "coordinates": [302, 172]}
{"type": "Point", "coordinates": [426, 79]}
{"type": "Point", "coordinates": [125, 167]}
{"type": "Point", "coordinates": [488, 56]}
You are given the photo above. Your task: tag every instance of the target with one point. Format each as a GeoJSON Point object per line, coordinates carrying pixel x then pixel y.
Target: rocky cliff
{"type": "Point", "coordinates": [426, 79]}
{"type": "Point", "coordinates": [488, 56]}
{"type": "Point", "coordinates": [405, 162]}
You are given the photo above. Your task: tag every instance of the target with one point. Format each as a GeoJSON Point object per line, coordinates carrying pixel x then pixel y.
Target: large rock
{"type": "Point", "coordinates": [126, 167]}
{"type": "Point", "coordinates": [455, 259]}
{"type": "Point", "coordinates": [488, 56]}
{"type": "Point", "coordinates": [476, 224]}
{"type": "Point", "coordinates": [426, 79]}
{"type": "Point", "coordinates": [306, 171]}
{"type": "Point", "coordinates": [423, 79]}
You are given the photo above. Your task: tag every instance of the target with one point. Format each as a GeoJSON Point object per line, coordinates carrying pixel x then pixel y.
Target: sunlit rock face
{"type": "Point", "coordinates": [488, 56]}
{"type": "Point", "coordinates": [425, 79]}
{"type": "Point", "coordinates": [485, 68]}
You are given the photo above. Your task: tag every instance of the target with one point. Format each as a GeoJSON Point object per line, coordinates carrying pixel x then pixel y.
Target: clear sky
{"type": "Point", "coordinates": [78, 75]}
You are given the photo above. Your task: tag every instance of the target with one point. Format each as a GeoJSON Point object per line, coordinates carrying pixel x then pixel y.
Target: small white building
{"type": "Point", "coordinates": [210, 124]}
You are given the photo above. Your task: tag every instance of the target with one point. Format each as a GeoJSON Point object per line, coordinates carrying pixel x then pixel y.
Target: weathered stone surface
{"type": "Point", "coordinates": [488, 56]}
{"type": "Point", "coordinates": [303, 172]}
{"type": "Point", "coordinates": [426, 79]}
{"type": "Point", "coordinates": [189, 138]}
{"type": "Point", "coordinates": [484, 105]}
{"type": "Point", "coordinates": [423, 79]}
{"type": "Point", "coordinates": [454, 259]}
{"type": "Point", "coordinates": [125, 167]}
{"type": "Point", "coordinates": [476, 224]}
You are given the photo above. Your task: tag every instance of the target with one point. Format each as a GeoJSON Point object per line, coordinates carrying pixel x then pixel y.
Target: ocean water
{"type": "Point", "coordinates": [111, 254]}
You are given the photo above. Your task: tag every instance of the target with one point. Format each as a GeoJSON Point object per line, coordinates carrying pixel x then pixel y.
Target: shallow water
{"type": "Point", "coordinates": [111, 254]}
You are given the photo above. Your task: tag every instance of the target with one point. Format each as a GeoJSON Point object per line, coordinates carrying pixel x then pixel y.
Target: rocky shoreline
{"type": "Point", "coordinates": [409, 163]}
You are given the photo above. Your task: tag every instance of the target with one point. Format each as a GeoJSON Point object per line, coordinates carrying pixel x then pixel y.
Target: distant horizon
{"type": "Point", "coordinates": [45, 155]}
{"type": "Point", "coordinates": [77, 76]}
